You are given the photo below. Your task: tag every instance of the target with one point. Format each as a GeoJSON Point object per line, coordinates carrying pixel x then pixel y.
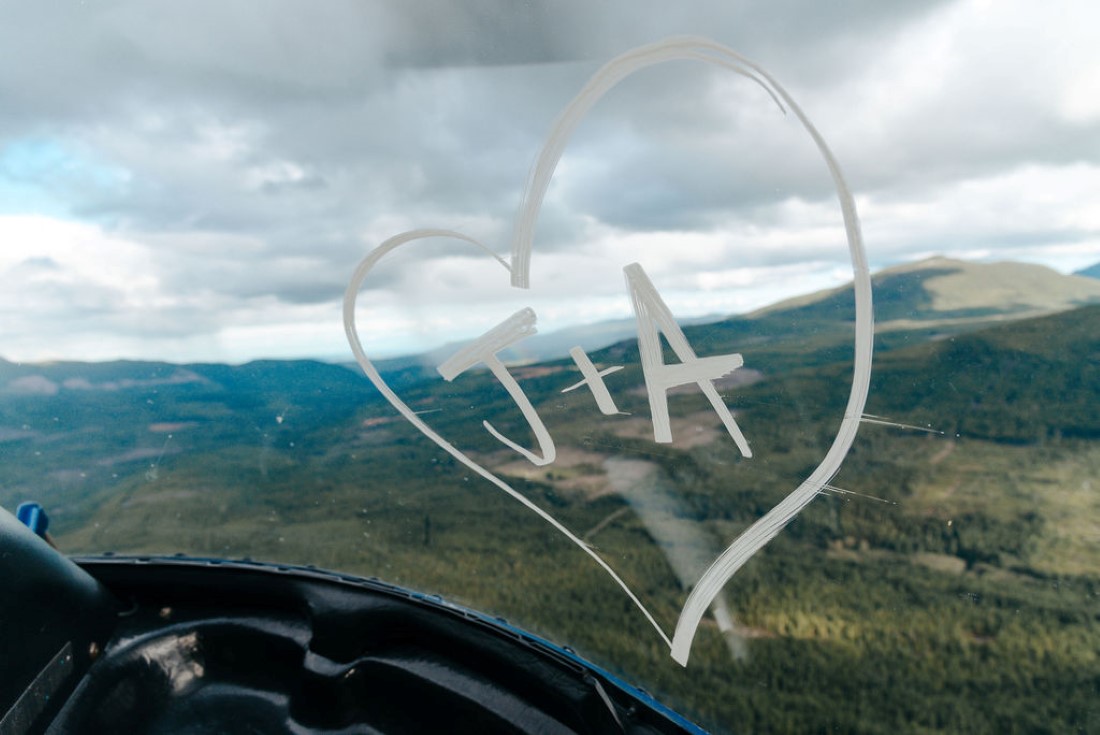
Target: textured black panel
{"type": "Point", "coordinates": [212, 647]}
{"type": "Point", "coordinates": [53, 616]}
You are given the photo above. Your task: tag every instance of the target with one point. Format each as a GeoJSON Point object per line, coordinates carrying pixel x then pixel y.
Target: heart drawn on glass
{"type": "Point", "coordinates": [770, 524]}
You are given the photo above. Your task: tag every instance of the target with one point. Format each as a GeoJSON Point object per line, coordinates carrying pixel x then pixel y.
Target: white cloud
{"type": "Point", "coordinates": [209, 179]}
{"type": "Point", "coordinates": [71, 288]}
{"type": "Point", "coordinates": [1080, 95]}
{"type": "Point", "coordinates": [84, 259]}
{"type": "Point", "coordinates": [1044, 214]}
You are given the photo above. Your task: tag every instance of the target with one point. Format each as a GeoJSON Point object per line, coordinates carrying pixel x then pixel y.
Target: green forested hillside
{"type": "Point", "coordinates": [947, 581]}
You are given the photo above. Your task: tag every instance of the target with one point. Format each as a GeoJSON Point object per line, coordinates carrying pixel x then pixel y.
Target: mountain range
{"type": "Point", "coordinates": [935, 296]}
{"type": "Point", "coordinates": [87, 424]}
{"type": "Point", "coordinates": [1093, 271]}
{"type": "Point", "coordinates": [954, 554]}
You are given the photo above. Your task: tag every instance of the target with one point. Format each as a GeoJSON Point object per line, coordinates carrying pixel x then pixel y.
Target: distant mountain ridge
{"type": "Point", "coordinates": [948, 294]}
{"type": "Point", "coordinates": [537, 348]}
{"type": "Point", "coordinates": [935, 291]}
{"type": "Point", "coordinates": [1093, 271]}
{"type": "Point", "coordinates": [940, 288]}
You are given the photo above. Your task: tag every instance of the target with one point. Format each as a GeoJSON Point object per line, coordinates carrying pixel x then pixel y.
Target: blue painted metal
{"type": "Point", "coordinates": [34, 517]}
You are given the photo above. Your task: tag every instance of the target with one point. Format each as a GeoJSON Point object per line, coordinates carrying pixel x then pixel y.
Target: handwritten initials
{"type": "Point", "coordinates": [653, 318]}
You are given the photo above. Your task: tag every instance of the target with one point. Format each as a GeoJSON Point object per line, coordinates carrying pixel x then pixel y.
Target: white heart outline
{"type": "Point", "coordinates": [771, 523]}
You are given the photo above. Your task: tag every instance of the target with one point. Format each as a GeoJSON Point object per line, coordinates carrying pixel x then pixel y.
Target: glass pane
{"type": "Point", "coordinates": [612, 303]}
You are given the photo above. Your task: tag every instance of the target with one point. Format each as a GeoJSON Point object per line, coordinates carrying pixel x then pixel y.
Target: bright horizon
{"type": "Point", "coordinates": [349, 358]}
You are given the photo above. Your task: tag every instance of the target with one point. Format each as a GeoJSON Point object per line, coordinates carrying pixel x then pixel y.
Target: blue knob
{"type": "Point", "coordinates": [33, 517]}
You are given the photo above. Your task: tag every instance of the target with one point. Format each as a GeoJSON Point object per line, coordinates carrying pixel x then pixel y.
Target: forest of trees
{"type": "Point", "coordinates": [950, 583]}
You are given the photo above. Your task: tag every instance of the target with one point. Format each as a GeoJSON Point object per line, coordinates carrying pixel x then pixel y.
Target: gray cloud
{"type": "Point", "coordinates": [231, 139]}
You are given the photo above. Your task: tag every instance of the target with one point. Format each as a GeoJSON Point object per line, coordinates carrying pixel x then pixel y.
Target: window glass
{"type": "Point", "coordinates": [565, 311]}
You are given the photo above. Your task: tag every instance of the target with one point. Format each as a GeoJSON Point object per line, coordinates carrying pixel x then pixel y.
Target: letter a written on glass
{"type": "Point", "coordinates": [653, 319]}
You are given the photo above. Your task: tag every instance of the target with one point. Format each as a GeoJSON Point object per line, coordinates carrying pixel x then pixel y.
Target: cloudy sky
{"type": "Point", "coordinates": [197, 181]}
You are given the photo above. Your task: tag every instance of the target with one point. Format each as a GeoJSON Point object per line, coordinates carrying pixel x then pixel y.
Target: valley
{"type": "Point", "coordinates": [946, 580]}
